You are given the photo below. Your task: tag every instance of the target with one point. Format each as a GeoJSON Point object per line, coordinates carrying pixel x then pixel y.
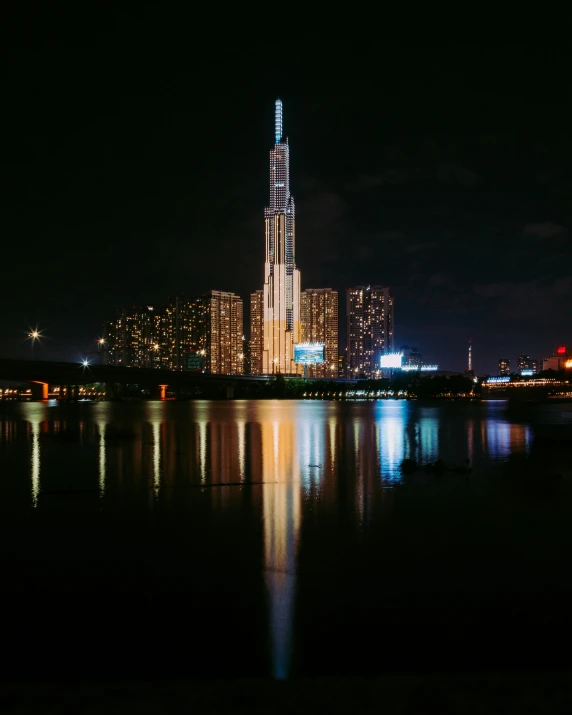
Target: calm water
{"type": "Point", "coordinates": [169, 539]}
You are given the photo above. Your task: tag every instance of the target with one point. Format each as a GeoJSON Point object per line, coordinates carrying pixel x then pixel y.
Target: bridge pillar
{"type": "Point", "coordinates": [230, 392]}
{"type": "Point", "coordinates": [159, 392]}
{"type": "Point", "coordinates": [39, 390]}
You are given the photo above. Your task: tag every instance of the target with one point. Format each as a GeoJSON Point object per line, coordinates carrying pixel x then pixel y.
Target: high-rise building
{"type": "Point", "coordinates": [225, 335]}
{"type": "Point", "coordinates": [369, 329]}
{"type": "Point", "coordinates": [281, 277]}
{"type": "Point", "coordinates": [319, 324]}
{"type": "Point", "coordinates": [126, 337]}
{"type": "Point", "coordinates": [527, 365]}
{"type": "Point", "coordinates": [504, 366]}
{"type": "Point", "coordinates": [256, 331]}
{"type": "Point", "coordinates": [211, 325]}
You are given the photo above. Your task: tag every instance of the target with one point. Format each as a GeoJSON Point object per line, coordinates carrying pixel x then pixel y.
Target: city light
{"type": "Point", "coordinates": [568, 364]}
{"type": "Point", "coordinates": [34, 334]}
{"type": "Point", "coordinates": [391, 360]}
{"type": "Point", "coordinates": [85, 362]}
{"type": "Point", "coordinates": [497, 380]}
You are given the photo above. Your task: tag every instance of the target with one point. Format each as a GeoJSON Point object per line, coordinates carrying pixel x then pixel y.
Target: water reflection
{"type": "Point", "coordinates": [503, 439]}
{"type": "Point", "coordinates": [101, 425]}
{"type": "Point", "coordinates": [36, 414]}
{"type": "Point", "coordinates": [155, 415]}
{"type": "Point", "coordinates": [281, 513]}
{"type": "Point", "coordinates": [292, 463]}
{"type": "Point", "coordinates": [393, 442]}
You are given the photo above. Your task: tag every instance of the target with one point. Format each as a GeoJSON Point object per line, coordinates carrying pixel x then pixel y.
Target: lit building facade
{"type": "Point", "coordinates": [256, 331]}
{"type": "Point", "coordinates": [210, 325]}
{"type": "Point", "coordinates": [370, 329]}
{"type": "Point", "coordinates": [319, 324]}
{"type": "Point", "coordinates": [281, 293]}
{"type": "Point", "coordinates": [504, 367]}
{"type": "Point", "coordinates": [225, 334]}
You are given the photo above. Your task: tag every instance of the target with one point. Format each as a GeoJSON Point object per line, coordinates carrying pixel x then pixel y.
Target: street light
{"type": "Point", "coordinates": [101, 344]}
{"type": "Point", "coordinates": [34, 335]}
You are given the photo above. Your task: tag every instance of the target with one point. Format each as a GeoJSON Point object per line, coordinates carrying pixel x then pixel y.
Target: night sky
{"type": "Point", "coordinates": [135, 167]}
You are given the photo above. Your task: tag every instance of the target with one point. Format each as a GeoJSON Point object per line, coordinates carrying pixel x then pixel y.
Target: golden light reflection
{"type": "Point", "coordinates": [156, 456]}
{"type": "Point", "coordinates": [102, 457]}
{"type": "Point", "coordinates": [155, 415]}
{"type": "Point", "coordinates": [332, 424]}
{"type": "Point", "coordinates": [202, 434]}
{"type": "Point", "coordinates": [241, 424]}
{"type": "Point", "coordinates": [35, 428]}
{"type": "Point", "coordinates": [35, 413]}
{"type": "Point", "coordinates": [281, 511]}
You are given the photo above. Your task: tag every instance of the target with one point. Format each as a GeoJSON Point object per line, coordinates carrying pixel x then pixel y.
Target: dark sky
{"type": "Point", "coordinates": [135, 167]}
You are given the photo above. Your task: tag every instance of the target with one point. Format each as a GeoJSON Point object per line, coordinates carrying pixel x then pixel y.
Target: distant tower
{"type": "Point", "coordinates": [470, 364]}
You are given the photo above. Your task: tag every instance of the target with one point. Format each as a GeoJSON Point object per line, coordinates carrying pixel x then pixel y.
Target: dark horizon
{"type": "Point", "coordinates": [134, 174]}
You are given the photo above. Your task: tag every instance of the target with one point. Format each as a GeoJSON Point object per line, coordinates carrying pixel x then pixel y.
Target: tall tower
{"type": "Point", "coordinates": [470, 360]}
{"type": "Point", "coordinates": [281, 278]}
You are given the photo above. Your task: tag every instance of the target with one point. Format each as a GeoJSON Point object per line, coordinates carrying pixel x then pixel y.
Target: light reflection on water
{"type": "Point", "coordinates": [302, 455]}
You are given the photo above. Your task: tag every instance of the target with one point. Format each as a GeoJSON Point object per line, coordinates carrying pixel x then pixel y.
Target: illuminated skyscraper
{"type": "Point", "coordinates": [225, 333]}
{"type": "Point", "coordinates": [281, 278]}
{"type": "Point", "coordinates": [369, 329]}
{"type": "Point", "coordinates": [319, 324]}
{"type": "Point", "coordinates": [256, 331]}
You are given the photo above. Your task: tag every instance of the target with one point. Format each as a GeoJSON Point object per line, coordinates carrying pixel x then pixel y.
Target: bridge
{"type": "Point", "coordinates": [70, 376]}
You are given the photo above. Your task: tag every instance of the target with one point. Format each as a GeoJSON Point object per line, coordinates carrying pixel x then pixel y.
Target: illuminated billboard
{"type": "Point", "coordinates": [498, 380]}
{"type": "Point", "coordinates": [390, 360]}
{"type": "Point", "coordinates": [561, 350]}
{"type": "Point", "coordinates": [309, 353]}
{"type": "Point", "coordinates": [527, 372]}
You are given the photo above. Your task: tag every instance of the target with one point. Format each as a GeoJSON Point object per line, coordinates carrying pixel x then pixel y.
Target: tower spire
{"type": "Point", "coordinates": [278, 120]}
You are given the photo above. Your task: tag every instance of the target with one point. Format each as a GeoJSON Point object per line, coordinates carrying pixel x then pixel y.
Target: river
{"type": "Point", "coordinates": [280, 538]}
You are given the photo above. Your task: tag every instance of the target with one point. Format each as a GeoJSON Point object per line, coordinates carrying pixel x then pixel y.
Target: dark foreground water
{"type": "Point", "coordinates": [190, 539]}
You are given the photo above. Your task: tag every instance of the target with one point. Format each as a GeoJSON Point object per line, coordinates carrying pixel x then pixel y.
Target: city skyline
{"type": "Point", "coordinates": [423, 176]}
